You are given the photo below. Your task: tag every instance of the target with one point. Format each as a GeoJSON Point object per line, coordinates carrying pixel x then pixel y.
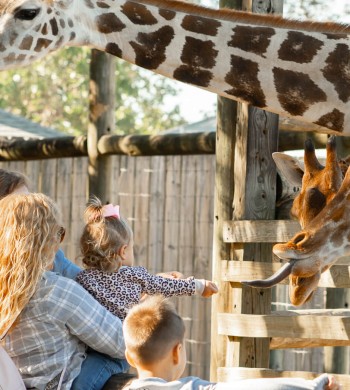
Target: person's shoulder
{"type": "Point", "coordinates": [133, 271]}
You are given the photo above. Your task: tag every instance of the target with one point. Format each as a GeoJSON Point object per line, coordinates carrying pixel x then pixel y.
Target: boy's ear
{"type": "Point", "coordinates": [176, 353]}
{"type": "Point", "coordinates": [121, 251]}
{"type": "Point", "coordinates": [129, 358]}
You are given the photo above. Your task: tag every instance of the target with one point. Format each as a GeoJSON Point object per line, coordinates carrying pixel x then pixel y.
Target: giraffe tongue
{"type": "Point", "coordinates": [277, 277]}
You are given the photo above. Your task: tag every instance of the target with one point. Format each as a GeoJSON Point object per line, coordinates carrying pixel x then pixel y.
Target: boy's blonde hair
{"type": "Point", "coordinates": [30, 235]}
{"type": "Point", "coordinates": [102, 238]}
{"type": "Point", "coordinates": [10, 181]}
{"type": "Point", "coordinates": [151, 329]}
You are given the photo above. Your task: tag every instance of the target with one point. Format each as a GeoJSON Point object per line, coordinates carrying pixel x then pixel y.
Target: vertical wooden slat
{"type": "Point", "coordinates": [141, 209]}
{"type": "Point", "coordinates": [156, 214]}
{"type": "Point", "coordinates": [171, 213]}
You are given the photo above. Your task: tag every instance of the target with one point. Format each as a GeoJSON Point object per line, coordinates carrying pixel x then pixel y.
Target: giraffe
{"type": "Point", "coordinates": [296, 69]}
{"type": "Point", "coordinates": [319, 186]}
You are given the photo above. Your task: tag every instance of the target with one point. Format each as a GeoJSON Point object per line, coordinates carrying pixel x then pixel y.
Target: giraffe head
{"type": "Point", "coordinates": [31, 29]}
{"type": "Point", "coordinates": [319, 186]}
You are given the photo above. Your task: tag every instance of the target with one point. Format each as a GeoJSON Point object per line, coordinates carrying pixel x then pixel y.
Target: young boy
{"type": "Point", "coordinates": [154, 339]}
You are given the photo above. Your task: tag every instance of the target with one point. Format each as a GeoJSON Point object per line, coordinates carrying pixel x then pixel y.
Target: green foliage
{"type": "Point", "coordinates": [54, 92]}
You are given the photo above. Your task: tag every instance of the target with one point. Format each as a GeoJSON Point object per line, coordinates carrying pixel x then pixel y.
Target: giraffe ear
{"type": "Point", "coordinates": [290, 168]}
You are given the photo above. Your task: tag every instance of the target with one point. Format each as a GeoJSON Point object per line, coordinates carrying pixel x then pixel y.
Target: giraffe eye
{"type": "Point", "coordinates": [26, 14]}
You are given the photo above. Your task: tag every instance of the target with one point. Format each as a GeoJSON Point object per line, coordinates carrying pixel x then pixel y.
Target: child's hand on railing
{"type": "Point", "coordinates": [210, 289]}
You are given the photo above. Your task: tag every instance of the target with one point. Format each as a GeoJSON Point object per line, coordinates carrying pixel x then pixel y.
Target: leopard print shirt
{"type": "Point", "coordinates": [119, 291]}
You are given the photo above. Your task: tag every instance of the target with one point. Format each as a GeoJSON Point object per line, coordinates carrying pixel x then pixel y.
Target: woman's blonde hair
{"type": "Point", "coordinates": [30, 235]}
{"type": "Point", "coordinates": [102, 238]}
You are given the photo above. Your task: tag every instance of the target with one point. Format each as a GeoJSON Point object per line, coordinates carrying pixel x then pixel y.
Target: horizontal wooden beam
{"type": "Point", "coordinates": [230, 374]}
{"type": "Point", "coordinates": [152, 145]}
{"type": "Point", "coordinates": [234, 271]}
{"type": "Point", "coordinates": [259, 231]}
{"type": "Point", "coordinates": [327, 324]}
{"type": "Point", "coordinates": [17, 149]}
{"type": "Point", "coordinates": [290, 343]}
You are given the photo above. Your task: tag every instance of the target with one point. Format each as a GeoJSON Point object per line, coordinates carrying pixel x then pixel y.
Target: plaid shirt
{"type": "Point", "coordinates": [52, 332]}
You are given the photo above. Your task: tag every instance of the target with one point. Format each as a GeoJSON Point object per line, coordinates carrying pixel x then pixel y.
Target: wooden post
{"type": "Point", "coordinates": [101, 121]}
{"type": "Point", "coordinates": [246, 179]}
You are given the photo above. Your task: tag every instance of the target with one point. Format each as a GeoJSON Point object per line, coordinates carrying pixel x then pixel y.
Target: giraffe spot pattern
{"type": "Point", "coordinates": [299, 47]}
{"type": "Point", "coordinates": [102, 4]}
{"type": "Point", "coordinates": [109, 23]}
{"type": "Point", "coordinates": [296, 91]}
{"type": "Point", "coordinates": [198, 53]}
{"type": "Point", "coordinates": [26, 43]}
{"type": "Point", "coordinates": [243, 77]}
{"type": "Point", "coordinates": [54, 26]}
{"type": "Point", "coordinates": [337, 71]}
{"type": "Point", "coordinates": [49, 10]}
{"type": "Point", "coordinates": [70, 23]}
{"type": "Point", "coordinates": [72, 36]}
{"type": "Point", "coordinates": [193, 75]}
{"type": "Point", "coordinates": [2, 47]}
{"type": "Point", "coordinates": [138, 14]}
{"type": "Point", "coordinates": [62, 23]}
{"type": "Point", "coordinates": [251, 39]}
{"type": "Point", "coordinates": [333, 120]}
{"type": "Point", "coordinates": [114, 49]}
{"type": "Point", "coordinates": [200, 25]}
{"type": "Point", "coordinates": [167, 14]}
{"type": "Point", "coordinates": [150, 48]}
{"type": "Point", "coordinates": [42, 44]}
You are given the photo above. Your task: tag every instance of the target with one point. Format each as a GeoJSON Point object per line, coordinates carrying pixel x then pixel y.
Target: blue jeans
{"type": "Point", "coordinates": [96, 369]}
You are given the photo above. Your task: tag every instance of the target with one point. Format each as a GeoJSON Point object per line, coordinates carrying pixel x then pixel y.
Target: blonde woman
{"type": "Point", "coordinates": [47, 321]}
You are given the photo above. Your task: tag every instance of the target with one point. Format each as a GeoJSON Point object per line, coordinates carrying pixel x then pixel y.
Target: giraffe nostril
{"type": "Point", "coordinates": [299, 237]}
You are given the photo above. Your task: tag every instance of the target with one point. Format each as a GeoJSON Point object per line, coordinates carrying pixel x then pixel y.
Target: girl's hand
{"type": "Point", "coordinates": [333, 384]}
{"type": "Point", "coordinates": [210, 288]}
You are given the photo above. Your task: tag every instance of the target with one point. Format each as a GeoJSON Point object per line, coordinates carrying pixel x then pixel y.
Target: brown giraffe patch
{"type": "Point", "coordinates": [243, 77]}
{"type": "Point", "coordinates": [12, 38]}
{"type": "Point", "coordinates": [44, 29]}
{"type": "Point", "coordinates": [336, 36]}
{"type": "Point", "coordinates": [138, 14]}
{"type": "Point", "coordinates": [59, 42]}
{"type": "Point", "coordinates": [2, 47]}
{"type": "Point", "coordinates": [299, 47]}
{"type": "Point", "coordinates": [200, 25]}
{"type": "Point", "coordinates": [62, 23]}
{"type": "Point", "coordinates": [251, 39]}
{"type": "Point", "coordinates": [193, 75]}
{"type": "Point", "coordinates": [333, 120]}
{"type": "Point", "coordinates": [49, 11]}
{"type": "Point", "coordinates": [198, 53]}
{"type": "Point", "coordinates": [338, 214]}
{"type": "Point", "coordinates": [167, 14]}
{"type": "Point", "coordinates": [70, 23]}
{"type": "Point", "coordinates": [109, 23]}
{"type": "Point", "coordinates": [296, 91]}
{"type": "Point", "coordinates": [72, 36]}
{"type": "Point", "coordinates": [337, 71]}
{"type": "Point", "coordinates": [89, 4]}
{"type": "Point", "coordinates": [54, 26]}
{"type": "Point", "coordinates": [150, 48]}
{"type": "Point", "coordinates": [10, 58]}
{"type": "Point", "coordinates": [26, 43]}
{"type": "Point", "coordinates": [102, 4]}
{"type": "Point", "coordinates": [114, 49]}
{"type": "Point", "coordinates": [42, 44]}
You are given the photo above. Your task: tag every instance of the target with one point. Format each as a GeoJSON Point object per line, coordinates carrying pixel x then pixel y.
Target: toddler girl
{"type": "Point", "coordinates": [108, 254]}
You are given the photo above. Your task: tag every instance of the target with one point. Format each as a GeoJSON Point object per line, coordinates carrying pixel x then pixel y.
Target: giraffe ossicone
{"type": "Point", "coordinates": [322, 207]}
{"type": "Point", "coordinates": [297, 69]}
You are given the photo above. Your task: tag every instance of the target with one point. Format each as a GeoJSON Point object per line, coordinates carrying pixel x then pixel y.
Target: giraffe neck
{"type": "Point", "coordinates": [294, 69]}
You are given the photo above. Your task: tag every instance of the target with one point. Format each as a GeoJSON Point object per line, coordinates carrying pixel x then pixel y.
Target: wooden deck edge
{"type": "Point", "coordinates": [327, 324]}
{"type": "Point", "coordinates": [227, 374]}
{"type": "Point", "coordinates": [338, 276]}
